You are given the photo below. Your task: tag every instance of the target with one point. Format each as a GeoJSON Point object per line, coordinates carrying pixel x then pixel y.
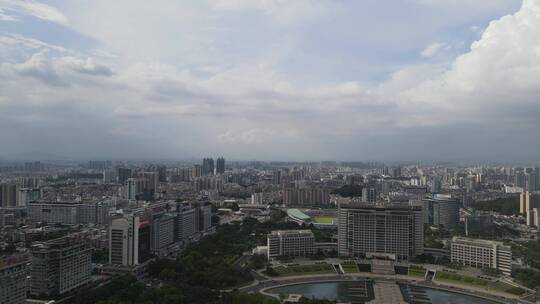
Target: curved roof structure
{"type": "Point", "coordinates": [297, 214]}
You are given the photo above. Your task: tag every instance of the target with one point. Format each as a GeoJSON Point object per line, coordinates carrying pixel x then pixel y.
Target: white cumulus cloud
{"type": "Point", "coordinates": [32, 8]}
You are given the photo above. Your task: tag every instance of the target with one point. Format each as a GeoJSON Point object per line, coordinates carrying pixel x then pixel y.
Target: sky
{"type": "Point", "coordinates": [421, 80]}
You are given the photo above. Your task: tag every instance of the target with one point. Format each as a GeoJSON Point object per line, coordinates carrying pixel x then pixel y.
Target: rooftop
{"type": "Point", "coordinates": [292, 232]}
{"type": "Point", "coordinates": [296, 213]}
{"type": "Point", "coordinates": [475, 242]}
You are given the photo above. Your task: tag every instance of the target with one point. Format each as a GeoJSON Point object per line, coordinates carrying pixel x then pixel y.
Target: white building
{"type": "Point", "coordinates": [59, 266]}
{"type": "Point", "coordinates": [54, 212]}
{"type": "Point", "coordinates": [290, 243]}
{"type": "Point", "coordinates": [367, 229]}
{"type": "Point", "coordinates": [481, 254]}
{"type": "Point", "coordinates": [70, 213]}
{"type": "Point", "coordinates": [162, 234]}
{"type": "Point", "coordinates": [124, 241]}
{"type": "Point", "coordinates": [257, 198]}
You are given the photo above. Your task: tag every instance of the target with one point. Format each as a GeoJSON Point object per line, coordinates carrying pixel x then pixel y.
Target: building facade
{"type": "Point", "coordinates": [59, 266]}
{"type": "Point", "coordinates": [290, 243]}
{"type": "Point", "coordinates": [366, 229]}
{"type": "Point", "coordinates": [369, 195]}
{"type": "Point", "coordinates": [185, 223]}
{"type": "Point", "coordinates": [9, 195]}
{"type": "Point", "coordinates": [528, 201]}
{"type": "Point", "coordinates": [13, 279]}
{"type": "Point", "coordinates": [64, 213]}
{"type": "Point", "coordinates": [220, 165]}
{"type": "Point", "coordinates": [208, 166]}
{"type": "Point", "coordinates": [70, 213]}
{"type": "Point", "coordinates": [162, 233]}
{"type": "Point", "coordinates": [306, 197]}
{"type": "Point", "coordinates": [481, 254]}
{"type": "Point", "coordinates": [441, 210]}
{"type": "Point", "coordinates": [124, 241]}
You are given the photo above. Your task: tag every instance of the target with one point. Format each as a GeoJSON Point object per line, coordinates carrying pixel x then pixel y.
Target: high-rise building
{"type": "Point", "coordinates": [396, 172]}
{"type": "Point", "coordinates": [257, 198]}
{"type": "Point", "coordinates": [185, 223]}
{"type": "Point", "coordinates": [13, 216]}
{"type": "Point", "coordinates": [59, 266]}
{"type": "Point", "coordinates": [533, 182]}
{"type": "Point", "coordinates": [306, 197]}
{"type": "Point", "coordinates": [527, 202]}
{"type": "Point", "coordinates": [109, 176]}
{"type": "Point", "coordinates": [151, 186]}
{"type": "Point", "coordinates": [145, 243]}
{"type": "Point", "coordinates": [162, 233]}
{"type": "Point", "coordinates": [441, 210]}
{"type": "Point", "coordinates": [162, 174]}
{"type": "Point", "coordinates": [290, 243]}
{"type": "Point", "coordinates": [520, 179]}
{"type": "Point", "coordinates": [436, 185]}
{"type": "Point", "coordinates": [132, 185]}
{"type": "Point", "coordinates": [365, 229]}
{"type": "Point", "coordinates": [196, 172]}
{"type": "Point", "coordinates": [220, 165]}
{"type": "Point", "coordinates": [276, 177]}
{"type": "Point", "coordinates": [8, 195]}
{"type": "Point", "coordinates": [27, 195]}
{"type": "Point", "coordinates": [13, 279]}
{"type": "Point", "coordinates": [298, 175]}
{"type": "Point", "coordinates": [208, 166]}
{"type": "Point", "coordinates": [203, 217]}
{"type": "Point", "coordinates": [123, 175]}
{"type": "Point", "coordinates": [481, 254]}
{"type": "Point", "coordinates": [369, 195]}
{"type": "Point", "coordinates": [124, 240]}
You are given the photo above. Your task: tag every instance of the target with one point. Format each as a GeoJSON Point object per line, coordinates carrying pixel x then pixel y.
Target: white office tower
{"type": "Point", "coordinates": [290, 243]}
{"type": "Point", "coordinates": [124, 240]}
{"type": "Point", "coordinates": [481, 254]}
{"type": "Point", "coordinates": [368, 229]}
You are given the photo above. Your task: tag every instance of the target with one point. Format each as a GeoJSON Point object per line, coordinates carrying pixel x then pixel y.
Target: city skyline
{"type": "Point", "coordinates": [424, 80]}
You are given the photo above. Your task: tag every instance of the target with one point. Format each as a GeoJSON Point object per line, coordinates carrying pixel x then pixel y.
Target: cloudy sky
{"type": "Point", "coordinates": [271, 79]}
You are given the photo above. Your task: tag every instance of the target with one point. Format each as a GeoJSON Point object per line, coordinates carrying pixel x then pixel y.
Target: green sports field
{"type": "Point", "coordinates": [324, 220]}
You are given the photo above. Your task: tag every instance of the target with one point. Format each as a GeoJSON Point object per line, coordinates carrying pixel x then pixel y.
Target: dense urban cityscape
{"type": "Point", "coordinates": [237, 232]}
